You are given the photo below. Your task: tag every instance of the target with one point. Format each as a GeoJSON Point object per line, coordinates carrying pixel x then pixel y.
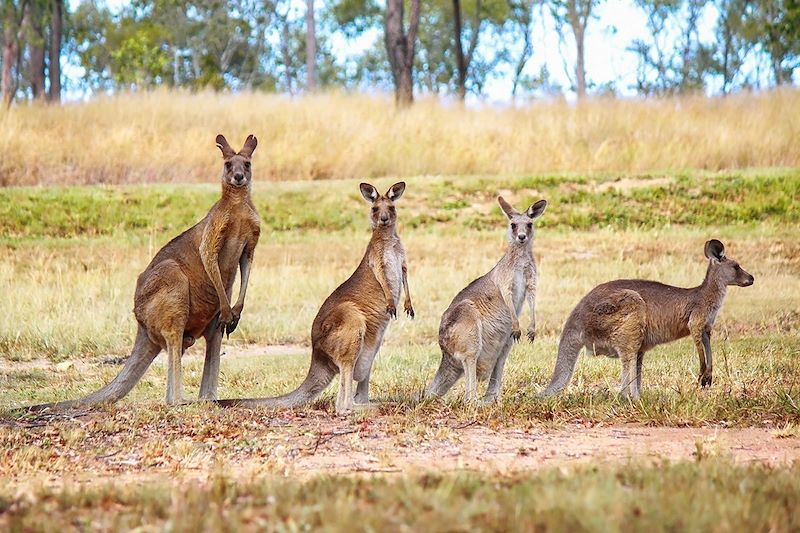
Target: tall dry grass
{"type": "Point", "coordinates": [165, 136]}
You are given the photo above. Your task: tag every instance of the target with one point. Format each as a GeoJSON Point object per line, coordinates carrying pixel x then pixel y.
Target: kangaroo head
{"type": "Point", "coordinates": [724, 268]}
{"type": "Point", "coordinates": [520, 225]}
{"type": "Point", "coordinates": [383, 212]}
{"type": "Point", "coordinates": [236, 171]}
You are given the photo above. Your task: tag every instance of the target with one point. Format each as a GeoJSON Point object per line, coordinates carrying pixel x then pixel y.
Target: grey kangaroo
{"type": "Point", "coordinates": [482, 322]}
{"type": "Point", "coordinates": [626, 318]}
{"type": "Point", "coordinates": [186, 290]}
{"type": "Point", "coordinates": [348, 329]}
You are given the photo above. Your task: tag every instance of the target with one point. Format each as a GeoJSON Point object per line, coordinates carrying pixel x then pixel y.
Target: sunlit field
{"type": "Point", "coordinates": [169, 137]}
{"type": "Point", "coordinates": [69, 257]}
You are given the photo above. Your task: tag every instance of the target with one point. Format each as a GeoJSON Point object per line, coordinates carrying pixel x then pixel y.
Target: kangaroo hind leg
{"type": "Point", "coordinates": [463, 339]}
{"type": "Point", "coordinates": [342, 340]}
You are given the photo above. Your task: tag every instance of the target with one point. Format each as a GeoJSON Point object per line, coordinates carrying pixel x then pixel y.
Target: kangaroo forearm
{"type": "Point", "coordinates": [244, 267]}
{"type": "Point", "coordinates": [532, 307]}
{"type": "Point", "coordinates": [405, 285]}
{"type": "Point", "coordinates": [380, 275]}
{"type": "Point", "coordinates": [509, 301]}
{"type": "Point", "coordinates": [706, 341]}
{"type": "Point", "coordinates": [212, 270]}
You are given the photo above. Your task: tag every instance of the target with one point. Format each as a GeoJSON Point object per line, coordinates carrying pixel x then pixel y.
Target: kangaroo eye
{"type": "Point", "coordinates": [513, 226]}
{"type": "Point", "coordinates": [374, 209]}
{"type": "Point", "coordinates": [247, 165]}
{"type": "Point", "coordinates": [530, 225]}
{"type": "Point", "coordinates": [228, 165]}
{"type": "Point", "coordinates": [391, 208]}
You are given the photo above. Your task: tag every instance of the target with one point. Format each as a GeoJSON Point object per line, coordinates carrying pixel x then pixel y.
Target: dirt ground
{"type": "Point", "coordinates": [126, 443]}
{"type": "Point", "coordinates": [315, 443]}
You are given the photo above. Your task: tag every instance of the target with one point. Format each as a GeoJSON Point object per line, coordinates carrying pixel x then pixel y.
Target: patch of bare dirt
{"type": "Point", "coordinates": [625, 185]}
{"type": "Point", "coordinates": [106, 447]}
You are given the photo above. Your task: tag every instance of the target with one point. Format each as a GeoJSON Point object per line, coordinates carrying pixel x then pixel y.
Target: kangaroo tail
{"type": "Point", "coordinates": [320, 374]}
{"type": "Point", "coordinates": [142, 355]}
{"type": "Point", "coordinates": [568, 349]}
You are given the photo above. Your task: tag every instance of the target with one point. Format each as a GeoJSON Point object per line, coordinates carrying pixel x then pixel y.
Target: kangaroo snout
{"type": "Point", "coordinates": [748, 281]}
{"type": "Point", "coordinates": [521, 237]}
{"type": "Point", "coordinates": [238, 178]}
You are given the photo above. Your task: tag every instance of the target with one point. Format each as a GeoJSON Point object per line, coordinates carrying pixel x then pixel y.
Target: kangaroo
{"type": "Point", "coordinates": [626, 318]}
{"type": "Point", "coordinates": [348, 329]}
{"type": "Point", "coordinates": [482, 322]}
{"type": "Point", "coordinates": [185, 291]}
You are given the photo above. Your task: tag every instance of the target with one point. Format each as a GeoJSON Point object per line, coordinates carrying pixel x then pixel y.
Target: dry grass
{"type": "Point", "coordinates": [713, 495]}
{"type": "Point", "coordinates": [165, 136]}
{"type": "Point", "coordinates": [69, 299]}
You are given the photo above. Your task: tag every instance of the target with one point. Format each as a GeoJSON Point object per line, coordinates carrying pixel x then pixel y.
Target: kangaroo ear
{"type": "Point", "coordinates": [223, 145]}
{"type": "Point", "coordinates": [506, 207]}
{"type": "Point", "coordinates": [715, 250]}
{"type": "Point", "coordinates": [369, 192]}
{"type": "Point", "coordinates": [396, 191]}
{"type": "Point", "coordinates": [536, 210]}
{"type": "Point", "coordinates": [249, 146]}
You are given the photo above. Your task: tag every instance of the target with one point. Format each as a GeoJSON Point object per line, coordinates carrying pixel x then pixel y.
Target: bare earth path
{"type": "Point", "coordinates": [314, 443]}
{"type": "Point", "coordinates": [146, 441]}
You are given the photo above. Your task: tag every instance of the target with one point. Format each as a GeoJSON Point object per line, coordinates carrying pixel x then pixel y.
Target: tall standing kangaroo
{"type": "Point", "coordinates": [348, 329]}
{"type": "Point", "coordinates": [482, 322]}
{"type": "Point", "coordinates": [185, 291]}
{"type": "Point", "coordinates": [626, 318]}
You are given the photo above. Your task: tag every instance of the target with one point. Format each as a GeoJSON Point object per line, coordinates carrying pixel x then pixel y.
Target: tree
{"type": "Point", "coordinates": [521, 18]}
{"type": "Point", "coordinates": [575, 13]}
{"type": "Point", "coordinates": [311, 48]}
{"type": "Point", "coordinates": [732, 44]}
{"type": "Point", "coordinates": [33, 34]}
{"type": "Point", "coordinates": [400, 48]}
{"type": "Point", "coordinates": [56, 37]}
{"type": "Point", "coordinates": [774, 25]}
{"type": "Point", "coordinates": [668, 65]}
{"type": "Point", "coordinates": [463, 60]}
{"type": "Point", "coordinates": [12, 13]}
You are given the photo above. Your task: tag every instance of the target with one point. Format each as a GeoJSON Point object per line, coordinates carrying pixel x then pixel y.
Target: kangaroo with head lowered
{"type": "Point", "coordinates": [348, 329]}
{"type": "Point", "coordinates": [482, 322]}
{"type": "Point", "coordinates": [184, 293]}
{"type": "Point", "coordinates": [628, 317]}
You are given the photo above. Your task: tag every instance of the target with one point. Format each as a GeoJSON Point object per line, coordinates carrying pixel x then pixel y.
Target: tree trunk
{"type": "Point", "coordinates": [9, 59]}
{"type": "Point", "coordinates": [33, 27]}
{"type": "Point", "coordinates": [580, 65]}
{"type": "Point", "coordinates": [461, 66]}
{"type": "Point", "coordinates": [311, 48]}
{"type": "Point", "coordinates": [400, 48]}
{"type": "Point", "coordinates": [55, 49]}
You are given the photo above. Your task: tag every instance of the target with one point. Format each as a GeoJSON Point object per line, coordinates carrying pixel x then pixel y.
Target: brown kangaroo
{"type": "Point", "coordinates": [482, 322]}
{"type": "Point", "coordinates": [185, 291]}
{"type": "Point", "coordinates": [348, 329]}
{"type": "Point", "coordinates": [626, 318]}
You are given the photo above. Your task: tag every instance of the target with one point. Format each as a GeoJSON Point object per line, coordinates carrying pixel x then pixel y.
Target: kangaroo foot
{"type": "Point", "coordinates": [177, 400]}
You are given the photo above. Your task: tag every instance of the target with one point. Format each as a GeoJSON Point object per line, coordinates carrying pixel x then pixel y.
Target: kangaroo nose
{"type": "Point", "coordinates": [238, 177]}
{"type": "Point", "coordinates": [384, 218]}
{"type": "Point", "coordinates": [522, 237]}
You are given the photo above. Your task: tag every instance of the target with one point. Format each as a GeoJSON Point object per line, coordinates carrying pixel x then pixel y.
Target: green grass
{"type": "Point", "coordinates": [435, 204]}
{"type": "Point", "coordinates": [748, 390]}
{"type": "Point", "coordinates": [72, 256]}
{"type": "Point", "coordinates": [710, 495]}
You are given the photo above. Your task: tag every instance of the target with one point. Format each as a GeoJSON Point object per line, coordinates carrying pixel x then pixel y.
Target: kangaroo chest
{"type": "Point", "coordinates": [518, 284]}
{"type": "Point", "coordinates": [393, 257]}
